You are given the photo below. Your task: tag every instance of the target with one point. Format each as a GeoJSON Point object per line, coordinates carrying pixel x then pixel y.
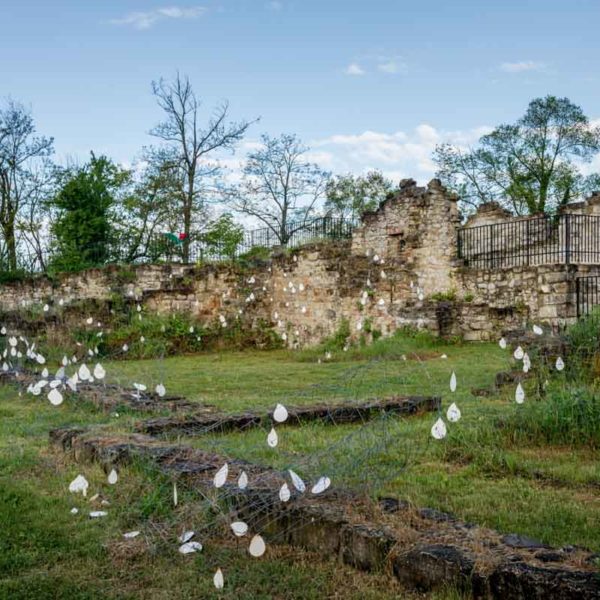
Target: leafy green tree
{"type": "Point", "coordinates": [224, 236]}
{"type": "Point", "coordinates": [529, 167]}
{"type": "Point", "coordinates": [84, 226]}
{"type": "Point", "coordinates": [349, 196]}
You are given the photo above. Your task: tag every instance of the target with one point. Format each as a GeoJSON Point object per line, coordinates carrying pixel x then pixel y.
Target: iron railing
{"type": "Point", "coordinates": [587, 291]}
{"type": "Point", "coordinates": [548, 239]}
{"type": "Point", "coordinates": [123, 249]}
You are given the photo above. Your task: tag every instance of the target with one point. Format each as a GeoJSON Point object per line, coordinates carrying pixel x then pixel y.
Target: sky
{"type": "Point", "coordinates": [366, 85]}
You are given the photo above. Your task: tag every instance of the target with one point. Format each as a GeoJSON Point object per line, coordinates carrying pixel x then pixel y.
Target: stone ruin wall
{"type": "Point", "coordinates": [406, 251]}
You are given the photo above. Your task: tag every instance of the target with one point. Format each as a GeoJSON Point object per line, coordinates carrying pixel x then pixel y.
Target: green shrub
{"type": "Point", "coordinates": [567, 414]}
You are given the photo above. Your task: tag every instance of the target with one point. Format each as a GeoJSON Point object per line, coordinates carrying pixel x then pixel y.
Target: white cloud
{"type": "Point", "coordinates": [398, 155]}
{"type": "Point", "coordinates": [391, 65]}
{"type": "Point", "coordinates": [354, 69]}
{"type": "Point", "coordinates": [521, 66]}
{"type": "Point", "coordinates": [147, 19]}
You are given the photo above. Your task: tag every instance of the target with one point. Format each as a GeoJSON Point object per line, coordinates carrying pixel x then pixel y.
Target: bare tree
{"type": "Point", "coordinates": [189, 145]}
{"type": "Point", "coordinates": [280, 187]}
{"type": "Point", "coordinates": [20, 150]}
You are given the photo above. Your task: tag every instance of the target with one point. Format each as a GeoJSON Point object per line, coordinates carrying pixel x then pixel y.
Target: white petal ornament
{"type": "Point", "coordinates": [131, 534]}
{"type": "Point", "coordinates": [55, 397]}
{"type": "Point", "coordinates": [298, 483]}
{"type": "Point", "coordinates": [239, 528]}
{"type": "Point", "coordinates": [439, 431]}
{"type": "Point", "coordinates": [453, 382]}
{"type": "Point", "coordinates": [218, 579]}
{"type": "Point", "coordinates": [160, 390]}
{"type": "Point", "coordinates": [322, 484]}
{"type": "Point", "coordinates": [243, 481]}
{"type": "Point", "coordinates": [518, 353]}
{"type": "Point", "coordinates": [190, 547]}
{"type": "Point", "coordinates": [95, 514]}
{"type": "Point", "coordinates": [79, 485]}
{"type": "Point", "coordinates": [257, 546]}
{"type": "Point", "coordinates": [99, 372]}
{"type": "Point", "coordinates": [175, 494]}
{"type": "Point", "coordinates": [284, 493]}
{"type": "Point", "coordinates": [280, 414]}
{"type": "Point", "coordinates": [221, 476]}
{"type": "Point", "coordinates": [113, 477]}
{"type": "Point", "coordinates": [560, 365]}
{"type": "Point", "coordinates": [537, 330]}
{"type": "Point", "coordinates": [519, 394]}
{"type": "Point", "coordinates": [83, 373]}
{"type": "Point", "coordinates": [272, 438]}
{"type": "Point", "coordinates": [186, 536]}
{"type": "Point", "coordinates": [453, 413]}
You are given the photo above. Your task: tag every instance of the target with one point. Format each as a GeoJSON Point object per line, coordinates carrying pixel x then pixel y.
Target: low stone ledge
{"type": "Point", "coordinates": [209, 420]}
{"type": "Point", "coordinates": [425, 549]}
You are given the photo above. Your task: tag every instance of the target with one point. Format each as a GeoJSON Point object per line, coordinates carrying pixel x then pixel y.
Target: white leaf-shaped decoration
{"type": "Point", "coordinates": [526, 363]}
{"type": "Point", "coordinates": [46, 308]}
{"type": "Point", "coordinates": [537, 330]}
{"type": "Point", "coordinates": [83, 372]}
{"type": "Point", "coordinates": [113, 477]}
{"type": "Point", "coordinates": [453, 382]}
{"type": "Point", "coordinates": [95, 514]}
{"type": "Point", "coordinates": [257, 546]}
{"type": "Point", "coordinates": [89, 320]}
{"type": "Point", "coordinates": [280, 414]}
{"type": "Point", "coordinates": [99, 372]}
{"type": "Point", "coordinates": [298, 483]}
{"type": "Point", "coordinates": [322, 484]}
{"type": "Point", "coordinates": [175, 494]}
{"type": "Point", "coordinates": [55, 397]}
{"type": "Point", "coordinates": [560, 365]}
{"type": "Point", "coordinates": [239, 528]}
{"type": "Point", "coordinates": [45, 373]}
{"type": "Point", "coordinates": [221, 476]}
{"type": "Point", "coordinates": [79, 485]}
{"type": "Point", "coordinates": [65, 361]}
{"type": "Point", "coordinates": [284, 493]}
{"type": "Point", "coordinates": [439, 431]}
{"type": "Point", "coordinates": [519, 394]}
{"type": "Point", "coordinates": [190, 547]}
{"type": "Point", "coordinates": [453, 413]}
{"type": "Point", "coordinates": [272, 438]}
{"type": "Point", "coordinates": [125, 347]}
{"type": "Point", "coordinates": [518, 353]}
{"type": "Point", "coordinates": [12, 341]}
{"type": "Point", "coordinates": [140, 387]}
{"type": "Point", "coordinates": [74, 511]}
{"type": "Point", "coordinates": [40, 359]}
{"type": "Point", "coordinates": [186, 536]}
{"type": "Point", "coordinates": [243, 481]}
{"type": "Point", "coordinates": [131, 534]}
{"type": "Point", "coordinates": [160, 390]}
{"type": "Point", "coordinates": [218, 579]}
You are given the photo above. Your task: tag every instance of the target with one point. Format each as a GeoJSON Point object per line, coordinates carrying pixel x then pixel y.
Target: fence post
{"type": "Point", "coordinates": [577, 297]}
{"type": "Point", "coordinates": [527, 242]}
{"type": "Point", "coordinates": [567, 239]}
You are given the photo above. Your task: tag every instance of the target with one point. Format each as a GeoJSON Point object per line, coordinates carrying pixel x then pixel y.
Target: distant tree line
{"type": "Point", "coordinates": [76, 216]}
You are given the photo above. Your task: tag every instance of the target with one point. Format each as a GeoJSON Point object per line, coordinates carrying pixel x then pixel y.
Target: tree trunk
{"type": "Point", "coordinates": [8, 229]}
{"type": "Point", "coordinates": [187, 226]}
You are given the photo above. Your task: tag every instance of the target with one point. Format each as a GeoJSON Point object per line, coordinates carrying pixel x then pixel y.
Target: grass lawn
{"type": "Point", "coordinates": [548, 492]}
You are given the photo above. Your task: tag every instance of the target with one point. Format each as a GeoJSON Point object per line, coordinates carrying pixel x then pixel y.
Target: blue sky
{"type": "Point", "coordinates": [367, 84]}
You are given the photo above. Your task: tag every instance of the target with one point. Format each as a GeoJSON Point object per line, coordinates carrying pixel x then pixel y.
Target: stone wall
{"type": "Point", "coordinates": [400, 269]}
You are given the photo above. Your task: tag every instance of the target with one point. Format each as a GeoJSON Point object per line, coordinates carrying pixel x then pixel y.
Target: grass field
{"type": "Point", "coordinates": [550, 492]}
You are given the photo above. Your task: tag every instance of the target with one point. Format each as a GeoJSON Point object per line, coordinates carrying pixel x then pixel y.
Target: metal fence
{"type": "Point", "coordinates": [163, 247]}
{"type": "Point", "coordinates": [587, 291]}
{"type": "Point", "coordinates": [560, 239]}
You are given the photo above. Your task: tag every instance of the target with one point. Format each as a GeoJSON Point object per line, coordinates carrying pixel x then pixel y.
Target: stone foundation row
{"type": "Point", "coordinates": [424, 549]}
